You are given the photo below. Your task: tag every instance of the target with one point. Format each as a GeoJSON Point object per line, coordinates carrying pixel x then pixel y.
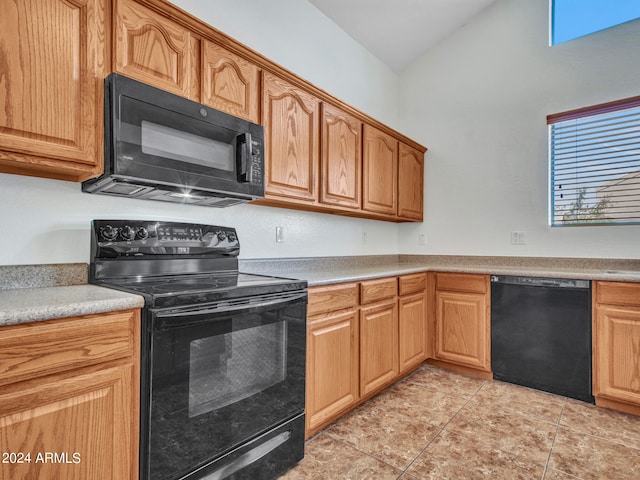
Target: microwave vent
{"type": "Point", "coordinates": [124, 189]}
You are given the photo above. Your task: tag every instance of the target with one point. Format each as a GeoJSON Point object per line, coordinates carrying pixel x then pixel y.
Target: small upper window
{"type": "Point", "coordinates": [575, 18]}
{"type": "Point", "coordinates": [595, 164]}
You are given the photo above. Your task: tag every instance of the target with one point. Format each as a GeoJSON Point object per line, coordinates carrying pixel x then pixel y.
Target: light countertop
{"type": "Point", "coordinates": [45, 303]}
{"type": "Point", "coordinates": [34, 293]}
{"type": "Point", "coordinates": [324, 271]}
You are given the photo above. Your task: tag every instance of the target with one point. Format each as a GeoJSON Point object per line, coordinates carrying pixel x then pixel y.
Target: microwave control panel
{"type": "Point", "coordinates": [255, 171]}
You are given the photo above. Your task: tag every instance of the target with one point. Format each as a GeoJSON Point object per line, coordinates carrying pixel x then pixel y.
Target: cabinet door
{"type": "Point", "coordinates": [332, 367]}
{"type": "Point", "coordinates": [341, 158]}
{"type": "Point", "coordinates": [412, 330]}
{"type": "Point", "coordinates": [291, 122]}
{"type": "Point", "coordinates": [154, 50]}
{"type": "Point", "coordinates": [230, 83]}
{"type": "Point", "coordinates": [380, 171]}
{"type": "Point", "coordinates": [410, 183]}
{"type": "Point", "coordinates": [617, 353]}
{"type": "Point", "coordinates": [88, 421]}
{"type": "Point", "coordinates": [52, 57]}
{"type": "Point", "coordinates": [462, 329]}
{"type": "Point", "coordinates": [378, 346]}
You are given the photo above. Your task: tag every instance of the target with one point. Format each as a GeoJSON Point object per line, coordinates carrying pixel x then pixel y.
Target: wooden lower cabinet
{"type": "Point", "coordinates": [70, 399]}
{"type": "Point", "coordinates": [461, 322]}
{"type": "Point", "coordinates": [412, 320]}
{"type": "Point", "coordinates": [616, 346]}
{"type": "Point", "coordinates": [412, 331]}
{"type": "Point", "coordinates": [361, 337]}
{"type": "Point", "coordinates": [332, 366]}
{"type": "Point", "coordinates": [378, 346]}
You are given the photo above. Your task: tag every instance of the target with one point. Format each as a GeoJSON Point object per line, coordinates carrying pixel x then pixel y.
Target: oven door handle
{"type": "Point", "coordinates": [208, 313]}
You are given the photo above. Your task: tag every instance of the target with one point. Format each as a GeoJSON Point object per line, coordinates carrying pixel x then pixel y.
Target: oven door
{"type": "Point", "coordinates": [222, 375]}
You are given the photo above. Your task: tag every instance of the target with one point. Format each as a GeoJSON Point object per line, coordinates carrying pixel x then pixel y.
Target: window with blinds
{"type": "Point", "coordinates": [594, 157]}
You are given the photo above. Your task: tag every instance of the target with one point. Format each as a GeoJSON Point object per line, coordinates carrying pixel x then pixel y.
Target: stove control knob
{"type": "Point", "coordinates": [142, 233]}
{"type": "Point", "coordinates": [232, 237]}
{"type": "Point", "coordinates": [222, 236]}
{"type": "Point", "coordinates": [128, 233]}
{"type": "Point", "coordinates": [109, 233]}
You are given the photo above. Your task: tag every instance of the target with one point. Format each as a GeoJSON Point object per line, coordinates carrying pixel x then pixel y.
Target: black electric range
{"type": "Point", "coordinates": [222, 388]}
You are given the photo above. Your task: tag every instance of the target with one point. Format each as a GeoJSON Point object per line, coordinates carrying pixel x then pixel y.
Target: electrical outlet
{"type": "Point", "coordinates": [422, 239]}
{"type": "Point", "coordinates": [279, 234]}
{"type": "Point", "coordinates": [364, 238]}
{"type": "Point", "coordinates": [518, 237]}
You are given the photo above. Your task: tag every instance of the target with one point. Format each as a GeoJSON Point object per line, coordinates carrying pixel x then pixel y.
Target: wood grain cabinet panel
{"type": "Point", "coordinates": [412, 320]}
{"type": "Point", "coordinates": [380, 171]}
{"type": "Point", "coordinates": [291, 119]}
{"type": "Point", "coordinates": [87, 418]}
{"type": "Point", "coordinates": [462, 329]}
{"type": "Point", "coordinates": [230, 83]}
{"type": "Point", "coordinates": [332, 367]}
{"type": "Point", "coordinates": [341, 158]}
{"type": "Point", "coordinates": [328, 298]}
{"type": "Point", "coordinates": [52, 61]}
{"type": "Point", "coordinates": [410, 183]}
{"type": "Point", "coordinates": [151, 48]}
{"type": "Point", "coordinates": [65, 344]}
{"type": "Point", "coordinates": [461, 322]}
{"type": "Point", "coordinates": [616, 346]}
{"type": "Point", "coordinates": [378, 289]}
{"type": "Point", "coordinates": [73, 393]}
{"type": "Point", "coordinates": [413, 283]}
{"type": "Point", "coordinates": [378, 346]}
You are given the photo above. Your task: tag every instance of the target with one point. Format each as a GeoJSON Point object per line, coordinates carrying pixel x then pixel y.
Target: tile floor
{"type": "Point", "coordinates": [436, 424]}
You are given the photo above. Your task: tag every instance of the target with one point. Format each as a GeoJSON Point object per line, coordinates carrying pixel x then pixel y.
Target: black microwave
{"type": "Point", "coordinates": [159, 146]}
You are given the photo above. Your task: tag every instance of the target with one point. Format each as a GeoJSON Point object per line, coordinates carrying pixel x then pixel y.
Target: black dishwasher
{"type": "Point", "coordinates": [541, 334]}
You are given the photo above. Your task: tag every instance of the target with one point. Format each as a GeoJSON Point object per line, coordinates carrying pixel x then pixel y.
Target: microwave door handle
{"type": "Point", "coordinates": [243, 157]}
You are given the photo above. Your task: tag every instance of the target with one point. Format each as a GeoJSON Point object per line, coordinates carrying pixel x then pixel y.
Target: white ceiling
{"type": "Point", "coordinates": [398, 32]}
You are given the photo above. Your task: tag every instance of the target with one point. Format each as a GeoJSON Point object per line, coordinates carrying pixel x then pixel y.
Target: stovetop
{"type": "Point", "coordinates": [179, 290]}
{"type": "Point", "coordinates": [175, 264]}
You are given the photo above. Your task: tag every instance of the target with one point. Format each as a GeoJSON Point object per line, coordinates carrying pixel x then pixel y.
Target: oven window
{"type": "Point", "coordinates": [167, 142]}
{"type": "Point", "coordinates": [225, 369]}
{"type": "Point", "coordinates": [217, 379]}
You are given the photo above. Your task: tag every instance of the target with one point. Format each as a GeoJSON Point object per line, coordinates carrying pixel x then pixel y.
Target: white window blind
{"type": "Point", "coordinates": [595, 164]}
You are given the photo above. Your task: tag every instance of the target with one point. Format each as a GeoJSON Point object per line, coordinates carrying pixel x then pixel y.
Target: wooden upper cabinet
{"type": "Point", "coordinates": [154, 50]}
{"type": "Point", "coordinates": [52, 57]}
{"type": "Point", "coordinates": [341, 158]}
{"type": "Point", "coordinates": [291, 128]}
{"type": "Point", "coordinates": [230, 83]}
{"type": "Point", "coordinates": [380, 171]}
{"type": "Point", "coordinates": [410, 183]}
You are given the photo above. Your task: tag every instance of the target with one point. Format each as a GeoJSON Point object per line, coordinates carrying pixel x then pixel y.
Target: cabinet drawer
{"type": "Point", "coordinates": [332, 297]}
{"type": "Point", "coordinates": [374, 290]}
{"type": "Point", "coordinates": [412, 283]}
{"type": "Point", "coordinates": [618, 293]}
{"type": "Point", "coordinates": [462, 282]}
{"type": "Point", "coordinates": [42, 348]}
